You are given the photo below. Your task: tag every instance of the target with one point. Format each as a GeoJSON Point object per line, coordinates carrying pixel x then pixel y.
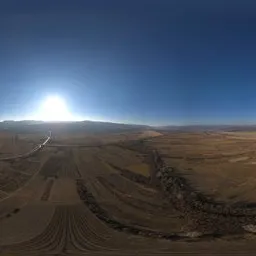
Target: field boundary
{"type": "Point", "coordinates": [28, 154]}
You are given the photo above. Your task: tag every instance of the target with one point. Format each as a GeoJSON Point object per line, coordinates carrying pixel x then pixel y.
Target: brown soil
{"type": "Point", "coordinates": [148, 196]}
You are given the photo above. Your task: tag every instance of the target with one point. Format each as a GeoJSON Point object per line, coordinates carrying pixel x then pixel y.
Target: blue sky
{"type": "Point", "coordinates": [154, 62]}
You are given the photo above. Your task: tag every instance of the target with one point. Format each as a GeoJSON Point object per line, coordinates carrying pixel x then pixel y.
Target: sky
{"type": "Point", "coordinates": [149, 62]}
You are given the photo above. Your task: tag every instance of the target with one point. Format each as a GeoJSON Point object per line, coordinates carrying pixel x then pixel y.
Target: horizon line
{"type": "Point", "coordinates": [126, 123]}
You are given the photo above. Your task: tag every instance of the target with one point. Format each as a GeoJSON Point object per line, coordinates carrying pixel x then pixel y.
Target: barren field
{"type": "Point", "coordinates": [221, 164]}
{"type": "Point", "coordinates": [90, 139]}
{"type": "Point", "coordinates": [140, 193]}
{"type": "Point", "coordinates": [14, 143]}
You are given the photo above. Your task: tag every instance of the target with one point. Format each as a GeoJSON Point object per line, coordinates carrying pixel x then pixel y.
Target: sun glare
{"type": "Point", "coordinates": [54, 108]}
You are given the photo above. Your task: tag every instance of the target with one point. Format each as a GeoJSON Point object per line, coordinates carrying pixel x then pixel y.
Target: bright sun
{"type": "Point", "coordinates": [54, 108]}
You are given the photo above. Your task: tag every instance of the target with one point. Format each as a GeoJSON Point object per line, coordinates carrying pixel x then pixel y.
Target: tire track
{"type": "Point", "coordinates": [50, 240]}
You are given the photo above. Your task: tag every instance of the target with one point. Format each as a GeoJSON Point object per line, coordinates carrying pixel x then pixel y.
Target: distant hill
{"type": "Point", "coordinates": [199, 128]}
{"type": "Point", "coordinates": [30, 126]}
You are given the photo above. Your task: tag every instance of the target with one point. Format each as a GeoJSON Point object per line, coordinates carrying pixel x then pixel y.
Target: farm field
{"type": "Point", "coordinates": [148, 192]}
{"type": "Point", "coordinates": [12, 143]}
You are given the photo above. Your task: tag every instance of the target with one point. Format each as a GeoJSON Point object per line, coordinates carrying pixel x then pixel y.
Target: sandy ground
{"type": "Point", "coordinates": [220, 164]}
{"type": "Point", "coordinates": [19, 227]}
{"type": "Point", "coordinates": [64, 192]}
{"type": "Point", "coordinates": [103, 200]}
{"type": "Point", "coordinates": [102, 138]}
{"type": "Point", "coordinates": [13, 144]}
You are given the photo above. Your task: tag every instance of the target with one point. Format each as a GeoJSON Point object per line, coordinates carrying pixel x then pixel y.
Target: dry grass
{"type": "Point", "coordinates": [102, 138]}
{"type": "Point", "coordinates": [118, 178]}
{"type": "Point", "coordinates": [15, 174]}
{"type": "Point", "coordinates": [143, 169]}
{"type": "Point", "coordinates": [24, 143]}
{"type": "Point", "coordinates": [221, 164]}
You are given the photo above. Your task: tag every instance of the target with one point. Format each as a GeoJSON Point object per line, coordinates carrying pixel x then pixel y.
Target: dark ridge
{"type": "Point", "coordinates": [135, 177]}
{"type": "Point", "coordinates": [92, 204]}
{"type": "Point", "coordinates": [205, 214]}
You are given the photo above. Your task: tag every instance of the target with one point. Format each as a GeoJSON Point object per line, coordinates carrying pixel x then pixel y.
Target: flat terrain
{"type": "Point", "coordinates": [90, 139]}
{"type": "Point", "coordinates": [131, 193]}
{"type": "Point", "coordinates": [221, 164]}
{"type": "Point", "coordinates": [12, 143]}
